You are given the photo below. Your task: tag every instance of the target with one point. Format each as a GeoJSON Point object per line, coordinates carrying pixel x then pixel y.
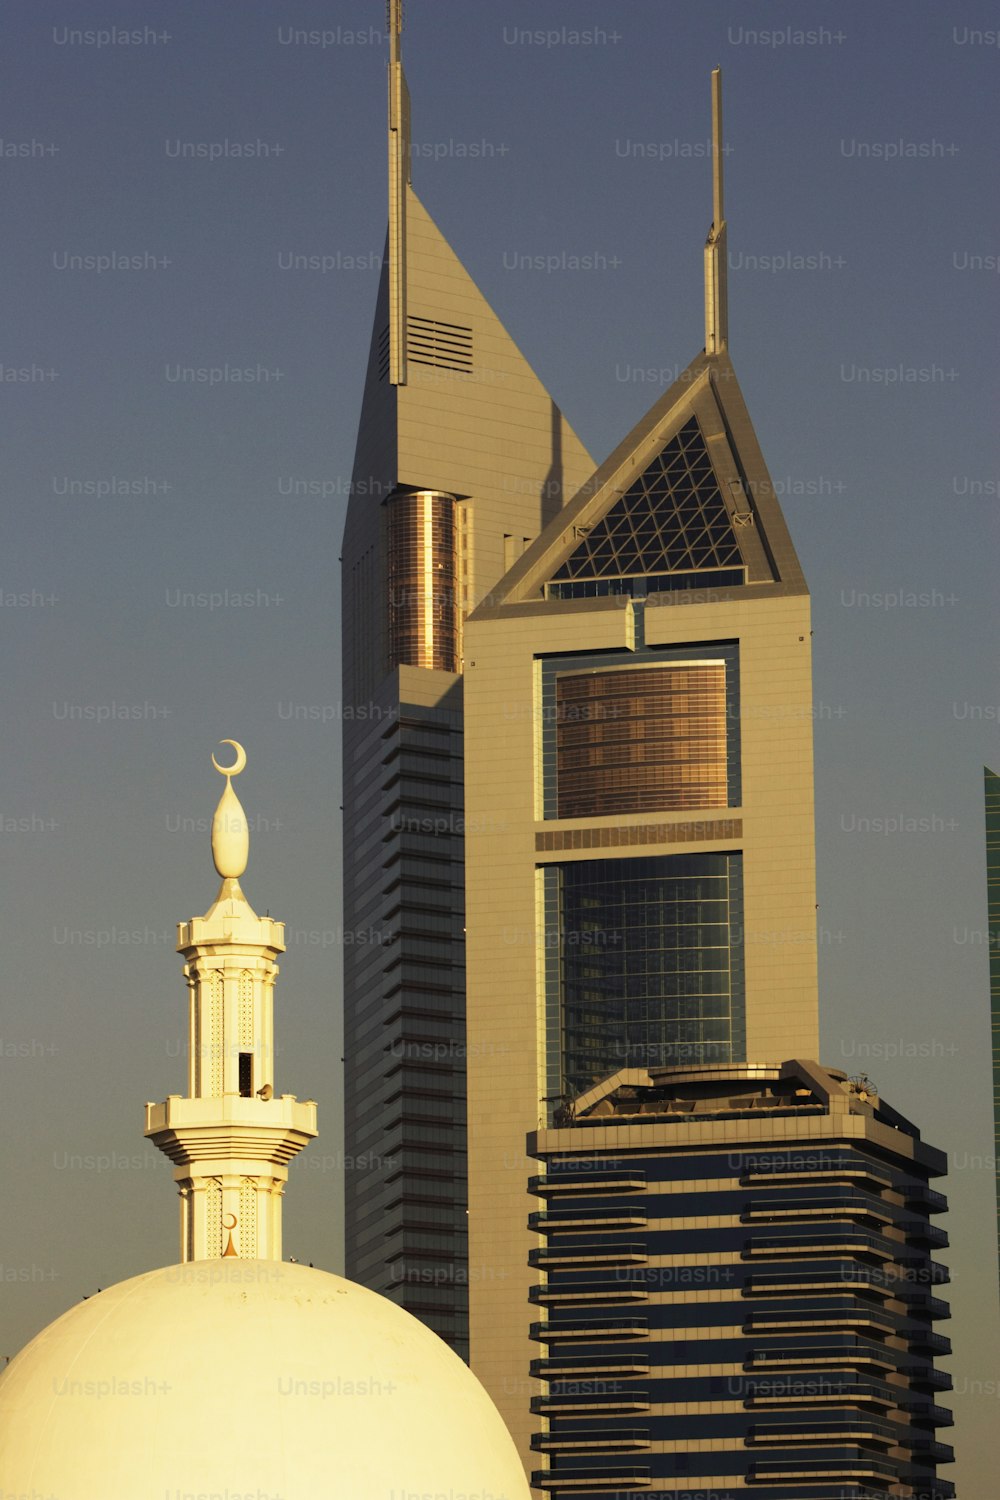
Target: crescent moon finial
{"type": "Point", "coordinates": [238, 764]}
{"type": "Point", "coordinates": [230, 829]}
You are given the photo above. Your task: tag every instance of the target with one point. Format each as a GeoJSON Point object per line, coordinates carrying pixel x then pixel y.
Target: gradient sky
{"type": "Point", "coordinates": [869, 369]}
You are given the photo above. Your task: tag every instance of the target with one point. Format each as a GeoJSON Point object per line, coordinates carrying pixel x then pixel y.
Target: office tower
{"type": "Point", "coordinates": [992, 785]}
{"type": "Point", "coordinates": [639, 726]}
{"type": "Point", "coordinates": [462, 458]}
{"type": "Point", "coordinates": [638, 717]}
{"type": "Point", "coordinates": [738, 1290]}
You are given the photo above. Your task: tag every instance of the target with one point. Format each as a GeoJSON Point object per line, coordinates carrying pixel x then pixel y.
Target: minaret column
{"type": "Point", "coordinates": [231, 1000]}
{"type": "Point", "coordinates": [229, 1137]}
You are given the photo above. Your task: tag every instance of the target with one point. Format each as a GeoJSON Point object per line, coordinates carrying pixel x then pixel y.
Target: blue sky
{"type": "Point", "coordinates": [863, 246]}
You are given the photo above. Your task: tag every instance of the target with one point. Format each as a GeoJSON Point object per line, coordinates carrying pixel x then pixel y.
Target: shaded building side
{"type": "Point", "coordinates": [736, 1291]}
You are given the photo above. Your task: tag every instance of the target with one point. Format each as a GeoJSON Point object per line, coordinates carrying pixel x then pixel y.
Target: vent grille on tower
{"type": "Point", "coordinates": [448, 346]}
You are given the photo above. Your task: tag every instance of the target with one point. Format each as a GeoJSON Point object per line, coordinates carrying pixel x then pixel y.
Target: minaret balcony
{"type": "Point", "coordinates": [232, 1127]}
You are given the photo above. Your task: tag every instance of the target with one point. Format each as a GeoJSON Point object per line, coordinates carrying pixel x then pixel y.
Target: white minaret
{"type": "Point", "coordinates": [230, 1138]}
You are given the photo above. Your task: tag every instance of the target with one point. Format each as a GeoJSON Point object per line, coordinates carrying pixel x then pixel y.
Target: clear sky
{"type": "Point", "coordinates": [169, 560]}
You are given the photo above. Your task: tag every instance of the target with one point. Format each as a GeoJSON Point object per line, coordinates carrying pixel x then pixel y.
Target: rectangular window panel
{"type": "Point", "coordinates": [652, 730]}
{"type": "Point", "coordinates": [640, 739]}
{"type": "Point", "coordinates": [644, 965]}
{"type": "Point", "coordinates": [246, 1075]}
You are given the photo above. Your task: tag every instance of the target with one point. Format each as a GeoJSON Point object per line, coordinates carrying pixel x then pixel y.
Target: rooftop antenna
{"type": "Point", "coordinates": [716, 300]}
{"type": "Point", "coordinates": [399, 177]}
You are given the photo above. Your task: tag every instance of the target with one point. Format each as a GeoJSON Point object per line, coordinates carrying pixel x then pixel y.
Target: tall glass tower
{"type": "Point", "coordinates": [639, 724]}
{"type": "Point", "coordinates": [992, 785]}
{"type": "Point", "coordinates": [642, 999]}
{"type": "Point", "coordinates": [462, 458]}
{"type": "Point", "coordinates": [579, 849]}
{"type": "Point", "coordinates": [735, 1288]}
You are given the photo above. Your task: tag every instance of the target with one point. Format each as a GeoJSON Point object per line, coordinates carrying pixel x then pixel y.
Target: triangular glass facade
{"type": "Point", "coordinates": [672, 519]}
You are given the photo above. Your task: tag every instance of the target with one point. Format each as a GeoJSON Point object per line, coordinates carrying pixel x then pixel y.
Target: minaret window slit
{"type": "Point", "coordinates": [246, 1075]}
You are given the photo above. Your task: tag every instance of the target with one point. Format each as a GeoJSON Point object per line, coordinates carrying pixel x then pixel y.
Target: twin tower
{"type": "Point", "coordinates": [580, 991]}
{"type": "Point", "coordinates": [579, 849]}
{"type": "Point", "coordinates": [578, 794]}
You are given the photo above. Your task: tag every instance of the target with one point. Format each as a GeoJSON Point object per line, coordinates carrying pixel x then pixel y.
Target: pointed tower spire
{"type": "Point", "coordinates": [716, 299]}
{"type": "Point", "coordinates": [229, 1137]}
{"type": "Point", "coordinates": [399, 177]}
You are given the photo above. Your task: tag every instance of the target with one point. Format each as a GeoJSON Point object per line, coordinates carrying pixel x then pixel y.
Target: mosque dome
{"type": "Point", "coordinates": [248, 1380]}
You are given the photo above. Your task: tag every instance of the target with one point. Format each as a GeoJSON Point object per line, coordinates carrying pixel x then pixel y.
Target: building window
{"type": "Point", "coordinates": [423, 580]}
{"type": "Point", "coordinates": [641, 739]}
{"type": "Point", "coordinates": [651, 730]}
{"type": "Point", "coordinates": [246, 1075]}
{"type": "Point", "coordinates": [673, 518]}
{"type": "Point", "coordinates": [644, 965]}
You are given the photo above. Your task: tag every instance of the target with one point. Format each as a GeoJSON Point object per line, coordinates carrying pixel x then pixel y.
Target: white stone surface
{"type": "Point", "coordinates": [247, 1378]}
{"type": "Point", "coordinates": [230, 1139]}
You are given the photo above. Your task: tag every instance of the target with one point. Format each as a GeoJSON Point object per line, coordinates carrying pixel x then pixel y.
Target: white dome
{"type": "Point", "coordinates": [254, 1379]}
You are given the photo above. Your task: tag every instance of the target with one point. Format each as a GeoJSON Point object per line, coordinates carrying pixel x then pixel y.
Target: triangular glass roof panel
{"type": "Point", "coordinates": [672, 518]}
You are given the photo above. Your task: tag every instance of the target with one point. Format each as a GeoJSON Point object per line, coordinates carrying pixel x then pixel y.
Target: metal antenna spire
{"type": "Point", "coordinates": [399, 177]}
{"type": "Point", "coordinates": [716, 299]}
{"type": "Point", "coordinates": [718, 213]}
{"type": "Point", "coordinates": [394, 26]}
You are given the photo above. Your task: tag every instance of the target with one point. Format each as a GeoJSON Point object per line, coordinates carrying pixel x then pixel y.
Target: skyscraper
{"type": "Point", "coordinates": [462, 458]}
{"type": "Point", "coordinates": [992, 788]}
{"type": "Point", "coordinates": [619, 658]}
{"type": "Point", "coordinates": [737, 1288]}
{"type": "Point", "coordinates": [642, 987]}
{"type": "Point", "coordinates": [639, 724]}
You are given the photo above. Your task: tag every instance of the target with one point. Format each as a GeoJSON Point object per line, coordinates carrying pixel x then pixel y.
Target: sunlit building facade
{"type": "Point", "coordinates": [992, 789]}
{"type": "Point", "coordinates": [578, 810]}
{"type": "Point", "coordinates": [461, 459]}
{"type": "Point", "coordinates": [641, 964]}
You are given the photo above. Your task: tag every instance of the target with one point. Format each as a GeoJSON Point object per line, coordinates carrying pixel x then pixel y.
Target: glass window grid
{"type": "Point", "coordinates": [640, 587]}
{"type": "Point", "coordinates": [638, 990]}
{"type": "Point", "coordinates": [647, 737]}
{"type": "Point", "coordinates": [553, 666]}
{"type": "Point", "coordinates": [672, 518]}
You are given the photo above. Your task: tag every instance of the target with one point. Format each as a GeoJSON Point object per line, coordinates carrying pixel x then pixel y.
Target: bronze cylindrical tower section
{"type": "Point", "coordinates": [423, 580]}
